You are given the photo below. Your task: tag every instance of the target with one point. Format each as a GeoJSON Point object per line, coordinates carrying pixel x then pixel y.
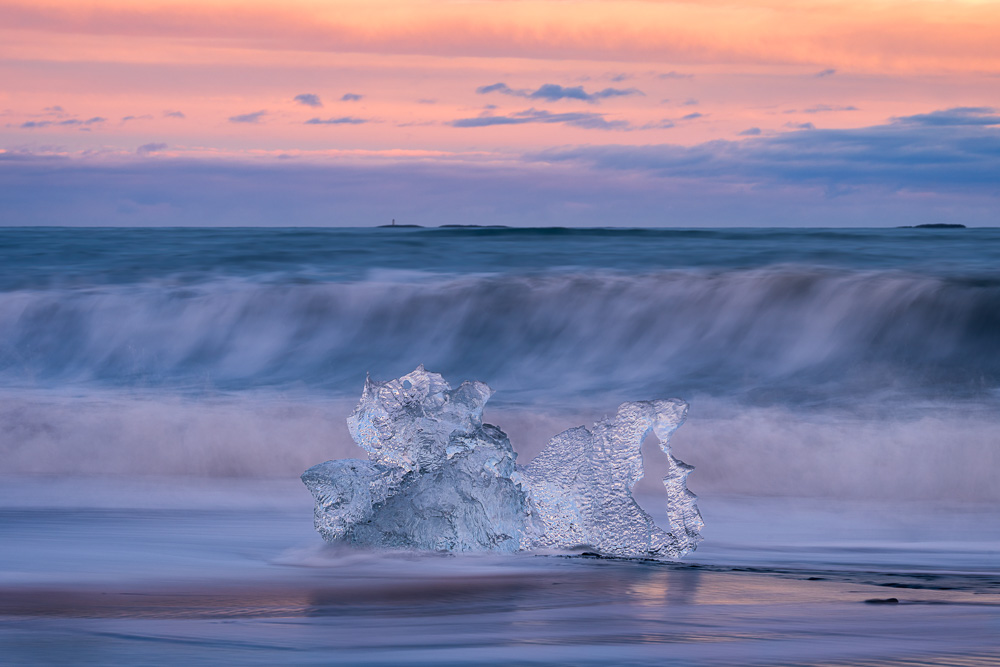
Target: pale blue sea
{"type": "Point", "coordinates": [162, 389]}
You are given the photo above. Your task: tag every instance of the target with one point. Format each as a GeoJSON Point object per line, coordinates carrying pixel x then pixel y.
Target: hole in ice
{"type": "Point", "coordinates": [407, 384]}
{"type": "Point", "coordinates": [649, 492]}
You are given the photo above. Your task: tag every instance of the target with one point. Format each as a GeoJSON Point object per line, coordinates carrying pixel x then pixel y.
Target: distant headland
{"type": "Point", "coordinates": [449, 226]}
{"type": "Point", "coordinates": [474, 226]}
{"type": "Point", "coordinates": [934, 225]}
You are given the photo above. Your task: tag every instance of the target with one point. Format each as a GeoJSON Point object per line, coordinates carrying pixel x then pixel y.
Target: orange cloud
{"type": "Point", "coordinates": [894, 35]}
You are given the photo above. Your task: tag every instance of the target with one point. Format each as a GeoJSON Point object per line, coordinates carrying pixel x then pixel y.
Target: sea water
{"type": "Point", "coordinates": [162, 389]}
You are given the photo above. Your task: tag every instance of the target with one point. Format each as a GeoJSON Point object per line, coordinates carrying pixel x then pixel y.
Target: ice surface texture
{"type": "Point", "coordinates": [580, 487]}
{"type": "Point", "coordinates": [440, 479]}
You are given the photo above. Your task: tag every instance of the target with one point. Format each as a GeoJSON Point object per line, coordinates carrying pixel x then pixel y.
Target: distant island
{"type": "Point", "coordinates": [933, 225]}
{"type": "Point", "coordinates": [448, 226]}
{"type": "Point", "coordinates": [395, 225]}
{"type": "Point", "coordinates": [452, 225]}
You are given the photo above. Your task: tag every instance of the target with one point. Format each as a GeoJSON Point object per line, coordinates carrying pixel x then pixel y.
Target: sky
{"type": "Point", "coordinates": [520, 112]}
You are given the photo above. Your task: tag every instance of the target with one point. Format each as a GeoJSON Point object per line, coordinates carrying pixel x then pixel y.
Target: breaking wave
{"type": "Point", "coordinates": [784, 334]}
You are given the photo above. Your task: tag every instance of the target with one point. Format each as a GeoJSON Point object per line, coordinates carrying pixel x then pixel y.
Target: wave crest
{"type": "Point", "coordinates": [790, 333]}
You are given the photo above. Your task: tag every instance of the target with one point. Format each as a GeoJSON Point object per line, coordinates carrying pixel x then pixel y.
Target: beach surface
{"type": "Point", "coordinates": [162, 572]}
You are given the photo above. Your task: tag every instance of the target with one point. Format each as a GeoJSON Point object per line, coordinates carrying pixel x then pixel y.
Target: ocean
{"type": "Point", "coordinates": [162, 389]}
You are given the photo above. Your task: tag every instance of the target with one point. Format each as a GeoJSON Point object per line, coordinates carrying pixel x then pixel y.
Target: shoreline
{"type": "Point", "coordinates": [529, 611]}
{"type": "Point", "coordinates": [365, 579]}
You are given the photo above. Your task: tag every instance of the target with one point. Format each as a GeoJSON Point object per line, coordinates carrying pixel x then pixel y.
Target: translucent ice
{"type": "Point", "coordinates": [580, 487]}
{"type": "Point", "coordinates": [439, 479]}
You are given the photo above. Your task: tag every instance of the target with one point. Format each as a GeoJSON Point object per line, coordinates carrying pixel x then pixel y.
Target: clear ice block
{"type": "Point", "coordinates": [440, 479]}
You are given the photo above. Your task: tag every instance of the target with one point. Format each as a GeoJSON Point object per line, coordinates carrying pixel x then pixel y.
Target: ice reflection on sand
{"type": "Point", "coordinates": [248, 583]}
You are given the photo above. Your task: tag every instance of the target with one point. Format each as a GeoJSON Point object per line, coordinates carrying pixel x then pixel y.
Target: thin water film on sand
{"type": "Point", "coordinates": [438, 479]}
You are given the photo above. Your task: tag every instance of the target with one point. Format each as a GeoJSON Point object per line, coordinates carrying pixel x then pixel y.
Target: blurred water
{"type": "Point", "coordinates": [790, 317]}
{"type": "Point", "coordinates": [160, 391]}
{"type": "Point", "coordinates": [187, 351]}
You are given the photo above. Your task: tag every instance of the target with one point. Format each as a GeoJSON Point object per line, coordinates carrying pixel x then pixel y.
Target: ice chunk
{"type": "Point", "coordinates": [347, 493]}
{"type": "Point", "coordinates": [580, 487]}
{"type": "Point", "coordinates": [409, 422]}
{"type": "Point", "coordinates": [439, 479]}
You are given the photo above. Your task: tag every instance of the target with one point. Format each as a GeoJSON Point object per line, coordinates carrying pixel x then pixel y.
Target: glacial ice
{"type": "Point", "coordinates": [437, 478]}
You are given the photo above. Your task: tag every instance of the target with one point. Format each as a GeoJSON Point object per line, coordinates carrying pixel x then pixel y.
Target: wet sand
{"type": "Point", "coordinates": [167, 574]}
{"type": "Point", "coordinates": [378, 609]}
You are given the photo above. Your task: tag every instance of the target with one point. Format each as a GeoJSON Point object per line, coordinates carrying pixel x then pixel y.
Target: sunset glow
{"type": "Point", "coordinates": [493, 82]}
